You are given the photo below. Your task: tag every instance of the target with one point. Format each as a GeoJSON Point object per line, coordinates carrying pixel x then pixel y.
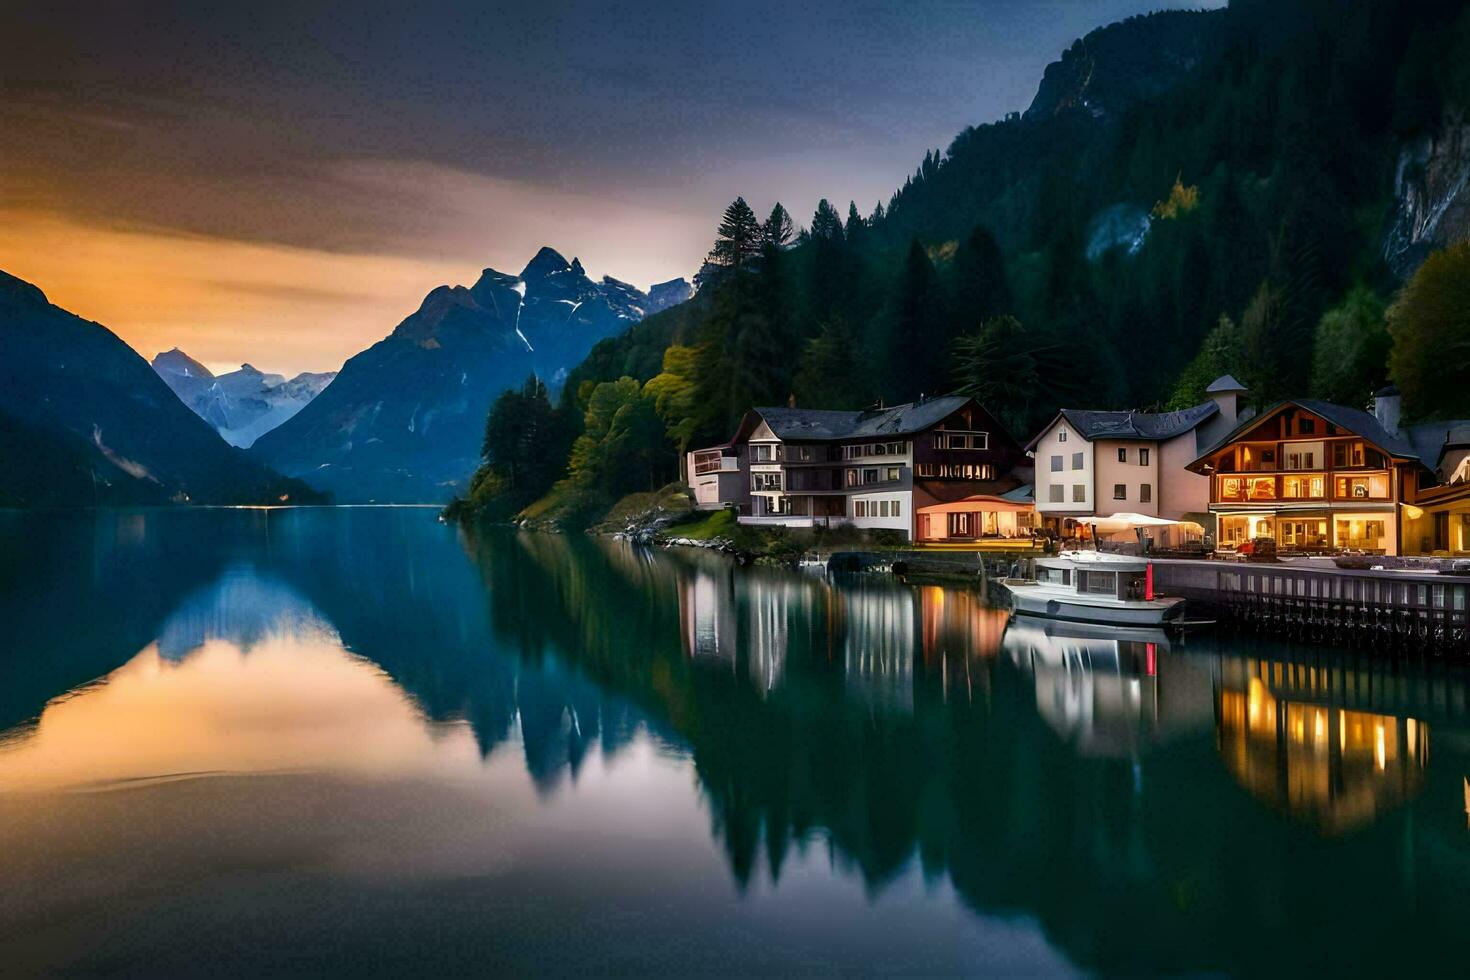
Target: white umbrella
{"type": "Point", "coordinates": [1129, 522]}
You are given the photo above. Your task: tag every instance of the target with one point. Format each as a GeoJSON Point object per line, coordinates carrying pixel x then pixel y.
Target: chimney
{"type": "Point", "coordinates": [1386, 408]}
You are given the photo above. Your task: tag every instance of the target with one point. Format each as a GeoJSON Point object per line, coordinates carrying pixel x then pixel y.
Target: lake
{"type": "Point", "coordinates": [359, 741]}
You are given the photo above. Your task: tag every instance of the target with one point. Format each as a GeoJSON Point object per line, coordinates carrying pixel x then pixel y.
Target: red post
{"type": "Point", "coordinates": [1148, 582]}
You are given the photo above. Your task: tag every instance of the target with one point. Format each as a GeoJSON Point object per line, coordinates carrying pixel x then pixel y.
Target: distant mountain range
{"type": "Point", "coordinates": [403, 420]}
{"type": "Point", "coordinates": [242, 405]}
{"type": "Point", "coordinates": [84, 420]}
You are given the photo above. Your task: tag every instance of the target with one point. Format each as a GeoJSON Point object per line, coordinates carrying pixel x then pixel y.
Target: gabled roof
{"type": "Point", "coordinates": [1147, 426]}
{"type": "Point", "coordinates": [820, 425]}
{"type": "Point", "coordinates": [1352, 420]}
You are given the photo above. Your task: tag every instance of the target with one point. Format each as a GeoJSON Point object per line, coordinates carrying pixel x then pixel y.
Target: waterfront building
{"type": "Point", "coordinates": [1315, 476]}
{"type": "Point", "coordinates": [939, 469]}
{"type": "Point", "coordinates": [1099, 463]}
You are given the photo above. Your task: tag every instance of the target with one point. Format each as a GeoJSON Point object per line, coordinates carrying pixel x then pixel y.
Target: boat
{"type": "Point", "coordinates": [1095, 587]}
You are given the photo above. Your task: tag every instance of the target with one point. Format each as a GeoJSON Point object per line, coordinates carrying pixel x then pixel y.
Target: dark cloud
{"type": "Point", "coordinates": [234, 119]}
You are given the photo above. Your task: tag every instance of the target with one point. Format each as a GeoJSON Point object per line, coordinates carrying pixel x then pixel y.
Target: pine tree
{"type": "Point", "coordinates": [826, 225]}
{"type": "Point", "coordinates": [778, 232]}
{"type": "Point", "coordinates": [855, 226]}
{"type": "Point", "coordinates": [912, 344]}
{"type": "Point", "coordinates": [739, 239]}
{"type": "Point", "coordinates": [981, 289]}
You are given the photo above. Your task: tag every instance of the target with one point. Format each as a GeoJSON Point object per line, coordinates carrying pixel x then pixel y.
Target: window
{"type": "Point", "coordinates": [1306, 426]}
{"type": "Point", "coordinates": [803, 453]}
{"type": "Point", "coordinates": [1120, 491]}
{"type": "Point", "coordinates": [852, 478]}
{"type": "Point", "coordinates": [1303, 487]}
{"type": "Point", "coordinates": [1145, 492]}
{"type": "Point", "coordinates": [1079, 492]}
{"type": "Point", "coordinates": [1055, 493]}
{"type": "Point", "coordinates": [1061, 435]}
{"type": "Point", "coordinates": [875, 449]}
{"type": "Point", "coordinates": [1122, 454]}
{"type": "Point", "coordinates": [957, 471]}
{"type": "Point", "coordinates": [882, 508]}
{"type": "Point", "coordinates": [897, 508]}
{"type": "Point", "coordinates": [1373, 487]}
{"type": "Point", "coordinates": [962, 440]}
{"type": "Point", "coordinates": [1143, 457]}
{"type": "Point", "coordinates": [870, 475]}
{"type": "Point", "coordinates": [765, 481]}
{"type": "Point", "coordinates": [1056, 464]}
{"type": "Point", "coordinates": [891, 473]}
{"type": "Point", "coordinates": [1076, 461]}
{"type": "Point", "coordinates": [859, 508]}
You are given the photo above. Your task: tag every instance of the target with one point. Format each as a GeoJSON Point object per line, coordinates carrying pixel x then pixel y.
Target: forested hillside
{"type": "Point", "coordinates": [1190, 194]}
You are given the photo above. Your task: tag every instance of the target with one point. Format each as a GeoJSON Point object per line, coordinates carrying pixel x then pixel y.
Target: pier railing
{"type": "Point", "coordinates": [1411, 610]}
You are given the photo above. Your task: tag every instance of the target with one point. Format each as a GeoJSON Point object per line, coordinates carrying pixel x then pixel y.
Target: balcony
{"type": "Point", "coordinates": [1296, 487]}
{"type": "Point", "coordinates": [716, 464]}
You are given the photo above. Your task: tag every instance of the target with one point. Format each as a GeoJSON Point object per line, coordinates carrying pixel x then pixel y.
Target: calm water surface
{"type": "Point", "coordinates": [357, 741]}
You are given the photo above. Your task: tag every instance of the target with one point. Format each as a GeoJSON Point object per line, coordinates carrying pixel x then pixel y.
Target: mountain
{"type": "Point", "coordinates": [84, 420]}
{"type": "Point", "coordinates": [403, 420]}
{"type": "Point", "coordinates": [1189, 194]}
{"type": "Point", "coordinates": [242, 405]}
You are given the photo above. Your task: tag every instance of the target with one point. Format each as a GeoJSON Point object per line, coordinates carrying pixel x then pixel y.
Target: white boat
{"type": "Point", "coordinates": [1095, 587]}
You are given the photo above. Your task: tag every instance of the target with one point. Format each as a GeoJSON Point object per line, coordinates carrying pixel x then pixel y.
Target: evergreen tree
{"type": "Point", "coordinates": [826, 225]}
{"type": "Point", "coordinates": [981, 289]}
{"type": "Point", "coordinates": [855, 226]}
{"type": "Point", "coordinates": [739, 239]}
{"type": "Point", "coordinates": [777, 232]}
{"type": "Point", "coordinates": [912, 342]}
{"type": "Point", "coordinates": [1220, 353]}
{"type": "Point", "coordinates": [520, 441]}
{"type": "Point", "coordinates": [1350, 356]}
{"type": "Point", "coordinates": [830, 374]}
{"type": "Point", "coordinates": [1430, 325]}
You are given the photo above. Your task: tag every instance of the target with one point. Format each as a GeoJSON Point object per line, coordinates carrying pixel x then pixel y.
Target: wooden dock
{"type": "Point", "coordinates": [1395, 611]}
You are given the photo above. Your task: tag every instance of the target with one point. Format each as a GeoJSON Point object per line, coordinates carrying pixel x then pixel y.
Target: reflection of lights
{"type": "Point", "coordinates": [1380, 751]}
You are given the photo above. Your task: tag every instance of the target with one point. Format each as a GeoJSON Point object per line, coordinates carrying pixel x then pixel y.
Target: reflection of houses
{"type": "Point", "coordinates": [1110, 692]}
{"type": "Point", "coordinates": [707, 617]}
{"type": "Point", "coordinates": [1318, 476]}
{"type": "Point", "coordinates": [936, 469]}
{"type": "Point", "coordinates": [958, 624]}
{"type": "Point", "coordinates": [1094, 464]}
{"type": "Point", "coordinates": [1334, 768]}
{"type": "Point", "coordinates": [879, 649]}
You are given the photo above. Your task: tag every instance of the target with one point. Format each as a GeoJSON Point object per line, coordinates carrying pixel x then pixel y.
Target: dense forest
{"type": "Point", "coordinates": [1191, 194]}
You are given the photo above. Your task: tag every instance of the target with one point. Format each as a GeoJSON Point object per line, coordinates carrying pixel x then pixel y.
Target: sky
{"type": "Point", "coordinates": [282, 183]}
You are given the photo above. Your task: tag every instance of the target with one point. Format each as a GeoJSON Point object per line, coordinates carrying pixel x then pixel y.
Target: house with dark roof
{"type": "Point", "coordinates": [1098, 463]}
{"type": "Point", "coordinates": [939, 469]}
{"type": "Point", "coordinates": [1316, 476]}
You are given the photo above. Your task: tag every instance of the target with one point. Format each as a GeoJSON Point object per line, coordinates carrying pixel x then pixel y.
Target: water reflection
{"type": "Point", "coordinates": [1333, 768]}
{"type": "Point", "coordinates": [801, 742]}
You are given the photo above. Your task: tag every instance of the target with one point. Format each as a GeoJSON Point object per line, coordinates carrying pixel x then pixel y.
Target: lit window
{"type": "Point", "coordinates": [1061, 435]}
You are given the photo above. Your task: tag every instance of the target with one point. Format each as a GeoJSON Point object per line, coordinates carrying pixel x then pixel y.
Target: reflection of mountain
{"type": "Point", "coordinates": [243, 607]}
